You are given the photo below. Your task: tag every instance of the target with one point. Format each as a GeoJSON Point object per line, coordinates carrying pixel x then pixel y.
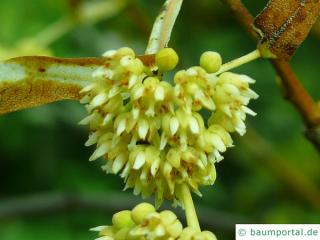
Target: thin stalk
{"type": "Point", "coordinates": [93, 11]}
{"type": "Point", "coordinates": [239, 61]}
{"type": "Point", "coordinates": [190, 211]}
{"type": "Point", "coordinates": [162, 28]}
{"type": "Point", "coordinates": [86, 13]}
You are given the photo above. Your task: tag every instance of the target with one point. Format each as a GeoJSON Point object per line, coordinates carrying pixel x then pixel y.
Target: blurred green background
{"type": "Point", "coordinates": [49, 190]}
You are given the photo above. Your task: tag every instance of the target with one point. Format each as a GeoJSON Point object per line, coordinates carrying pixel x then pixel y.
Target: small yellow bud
{"type": "Point", "coordinates": [168, 216]}
{"type": "Point", "coordinates": [136, 66]}
{"type": "Point", "coordinates": [211, 61]}
{"type": "Point", "coordinates": [166, 59]}
{"type": "Point", "coordinates": [107, 231]}
{"type": "Point", "coordinates": [175, 228]}
{"type": "Point", "coordinates": [179, 77]}
{"type": "Point", "coordinates": [122, 219]}
{"type": "Point", "coordinates": [122, 234]}
{"type": "Point", "coordinates": [132, 237]}
{"type": "Point", "coordinates": [125, 51]}
{"type": "Point", "coordinates": [208, 235]}
{"type": "Point", "coordinates": [187, 233]}
{"type": "Point", "coordinates": [173, 157]}
{"type": "Point", "coordinates": [141, 211]}
{"type": "Point", "coordinates": [151, 82]}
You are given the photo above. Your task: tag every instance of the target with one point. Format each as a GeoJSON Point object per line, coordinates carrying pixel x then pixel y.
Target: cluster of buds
{"type": "Point", "coordinates": [143, 222]}
{"type": "Point", "coordinates": [152, 132]}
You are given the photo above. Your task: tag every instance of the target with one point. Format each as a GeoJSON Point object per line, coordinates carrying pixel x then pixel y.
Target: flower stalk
{"type": "Point", "coordinates": [239, 61]}
{"type": "Point", "coordinates": [85, 13]}
{"type": "Point", "coordinates": [53, 32]}
{"type": "Point", "coordinates": [190, 211]}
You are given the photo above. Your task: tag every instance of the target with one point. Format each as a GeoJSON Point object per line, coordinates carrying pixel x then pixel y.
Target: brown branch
{"type": "Point", "coordinates": [295, 92]}
{"type": "Point", "coordinates": [242, 15]}
{"type": "Point", "coordinates": [138, 17]}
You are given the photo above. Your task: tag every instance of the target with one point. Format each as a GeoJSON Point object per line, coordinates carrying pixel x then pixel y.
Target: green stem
{"type": "Point", "coordinates": [191, 215]}
{"type": "Point", "coordinates": [86, 13]}
{"type": "Point", "coordinates": [90, 12]}
{"type": "Point", "coordinates": [54, 32]}
{"type": "Point", "coordinates": [163, 26]}
{"type": "Point", "coordinates": [239, 61]}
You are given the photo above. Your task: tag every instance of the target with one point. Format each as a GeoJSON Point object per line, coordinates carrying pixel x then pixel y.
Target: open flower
{"type": "Point", "coordinates": [232, 96]}
{"type": "Point", "coordinates": [152, 133]}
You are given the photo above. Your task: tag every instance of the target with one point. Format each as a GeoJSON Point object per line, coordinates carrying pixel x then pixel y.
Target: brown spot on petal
{"type": "Point", "coordinates": [41, 69]}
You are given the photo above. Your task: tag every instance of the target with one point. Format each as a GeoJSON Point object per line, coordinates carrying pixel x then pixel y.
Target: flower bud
{"type": "Point", "coordinates": [175, 228]}
{"type": "Point", "coordinates": [207, 235]}
{"type": "Point", "coordinates": [157, 226]}
{"type": "Point", "coordinates": [125, 51]}
{"type": "Point", "coordinates": [122, 234]}
{"type": "Point", "coordinates": [122, 219]}
{"type": "Point", "coordinates": [166, 59]}
{"type": "Point", "coordinates": [141, 211]}
{"type": "Point", "coordinates": [211, 61]}
{"type": "Point", "coordinates": [187, 233]}
{"type": "Point", "coordinates": [168, 216]}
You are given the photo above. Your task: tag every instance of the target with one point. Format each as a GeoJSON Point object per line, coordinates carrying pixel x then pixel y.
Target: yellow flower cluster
{"type": "Point", "coordinates": [152, 132]}
{"type": "Point", "coordinates": [144, 223]}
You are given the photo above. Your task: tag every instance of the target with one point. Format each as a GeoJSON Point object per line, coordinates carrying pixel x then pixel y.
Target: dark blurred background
{"type": "Point", "coordinates": [49, 190]}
